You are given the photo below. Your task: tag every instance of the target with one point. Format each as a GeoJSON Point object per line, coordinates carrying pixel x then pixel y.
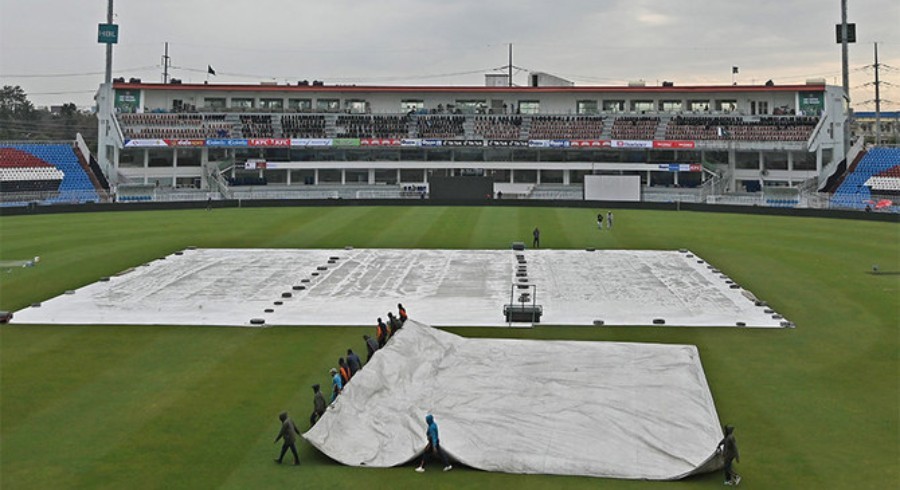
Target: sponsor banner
{"type": "Point", "coordinates": [380, 142]}
{"type": "Point", "coordinates": [559, 143]}
{"type": "Point", "coordinates": [345, 142]}
{"type": "Point", "coordinates": [145, 143]}
{"type": "Point", "coordinates": [539, 143]}
{"type": "Point", "coordinates": [411, 142]}
{"type": "Point", "coordinates": [680, 167]}
{"type": "Point", "coordinates": [227, 142]}
{"type": "Point", "coordinates": [431, 142]}
{"type": "Point", "coordinates": [255, 165]}
{"type": "Point", "coordinates": [466, 143]}
{"type": "Point", "coordinates": [507, 143]}
{"type": "Point", "coordinates": [269, 142]}
{"type": "Point", "coordinates": [631, 144]}
{"type": "Point", "coordinates": [185, 143]}
{"type": "Point", "coordinates": [676, 145]}
{"type": "Point", "coordinates": [591, 143]}
{"type": "Point", "coordinates": [310, 142]}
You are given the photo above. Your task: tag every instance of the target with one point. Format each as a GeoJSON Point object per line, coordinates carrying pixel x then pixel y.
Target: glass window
{"type": "Point", "coordinates": [804, 160]}
{"type": "Point", "coordinates": [214, 103]}
{"type": "Point", "coordinates": [328, 105]}
{"type": "Point", "coordinates": [529, 107]}
{"type": "Point", "coordinates": [356, 106]}
{"type": "Point", "coordinates": [613, 106]}
{"type": "Point", "coordinates": [726, 105]}
{"type": "Point", "coordinates": [412, 105]}
{"type": "Point", "coordinates": [698, 105]}
{"type": "Point", "coordinates": [471, 106]}
{"type": "Point", "coordinates": [300, 105]}
{"type": "Point", "coordinates": [776, 161]}
{"type": "Point", "coordinates": [241, 103]}
{"type": "Point", "coordinates": [670, 106]}
{"type": "Point", "coordinates": [762, 107]}
{"type": "Point", "coordinates": [586, 107]}
{"type": "Point", "coordinates": [746, 159]}
{"type": "Point", "coordinates": [271, 104]}
{"type": "Point", "coordinates": [641, 105]}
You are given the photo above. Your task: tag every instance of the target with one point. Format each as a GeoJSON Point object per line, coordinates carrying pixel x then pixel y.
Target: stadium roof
{"type": "Point", "coordinates": [463, 89]}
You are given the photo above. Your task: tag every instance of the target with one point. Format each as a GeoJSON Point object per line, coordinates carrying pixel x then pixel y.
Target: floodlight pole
{"type": "Point", "coordinates": [109, 46]}
{"type": "Point", "coordinates": [845, 76]}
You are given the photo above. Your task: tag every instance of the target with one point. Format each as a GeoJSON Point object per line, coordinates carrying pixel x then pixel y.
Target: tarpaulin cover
{"type": "Point", "coordinates": [619, 410]}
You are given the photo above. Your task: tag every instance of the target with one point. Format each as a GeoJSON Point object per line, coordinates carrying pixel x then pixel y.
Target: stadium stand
{"type": "Point", "coordinates": [303, 126]}
{"type": "Point", "coordinates": [21, 171]}
{"type": "Point", "coordinates": [74, 186]}
{"type": "Point", "coordinates": [498, 127]}
{"type": "Point", "coordinates": [635, 127]}
{"type": "Point", "coordinates": [155, 125]}
{"type": "Point", "coordinates": [854, 192]}
{"type": "Point", "coordinates": [369, 126]}
{"type": "Point", "coordinates": [886, 182]}
{"type": "Point", "coordinates": [441, 126]}
{"type": "Point", "coordinates": [566, 127]}
{"type": "Point", "coordinates": [257, 126]}
{"type": "Point", "coordinates": [790, 128]}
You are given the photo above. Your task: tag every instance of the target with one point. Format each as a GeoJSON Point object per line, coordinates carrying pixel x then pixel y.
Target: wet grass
{"type": "Point", "coordinates": [195, 407]}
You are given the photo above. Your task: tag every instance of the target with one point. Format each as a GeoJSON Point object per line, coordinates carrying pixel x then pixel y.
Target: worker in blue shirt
{"type": "Point", "coordinates": [336, 384]}
{"type": "Point", "coordinates": [434, 445]}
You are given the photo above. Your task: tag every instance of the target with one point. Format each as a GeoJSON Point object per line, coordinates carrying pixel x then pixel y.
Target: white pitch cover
{"type": "Point", "coordinates": [602, 409]}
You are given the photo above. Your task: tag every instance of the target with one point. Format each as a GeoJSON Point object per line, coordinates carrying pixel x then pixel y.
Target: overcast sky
{"type": "Point", "coordinates": [446, 42]}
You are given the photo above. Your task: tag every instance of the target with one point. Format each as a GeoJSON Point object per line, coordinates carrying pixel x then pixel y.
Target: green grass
{"type": "Point", "coordinates": [191, 407]}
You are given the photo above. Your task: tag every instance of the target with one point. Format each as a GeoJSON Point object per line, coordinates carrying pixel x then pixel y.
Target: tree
{"type": "Point", "coordinates": [20, 120]}
{"type": "Point", "coordinates": [14, 102]}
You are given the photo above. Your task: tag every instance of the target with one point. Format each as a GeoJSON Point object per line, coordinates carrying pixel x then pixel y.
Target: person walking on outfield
{"type": "Point", "coordinates": [600, 221]}
{"type": "Point", "coordinates": [609, 219]}
{"type": "Point", "coordinates": [319, 405]}
{"type": "Point", "coordinates": [536, 243]}
{"type": "Point", "coordinates": [434, 445]}
{"type": "Point", "coordinates": [288, 429]}
{"type": "Point", "coordinates": [371, 346]}
{"type": "Point", "coordinates": [353, 362]}
{"type": "Point", "coordinates": [344, 369]}
{"type": "Point", "coordinates": [729, 450]}
{"type": "Point", "coordinates": [336, 384]}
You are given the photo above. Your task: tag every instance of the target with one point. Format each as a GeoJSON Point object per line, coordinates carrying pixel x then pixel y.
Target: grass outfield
{"type": "Point", "coordinates": [196, 407]}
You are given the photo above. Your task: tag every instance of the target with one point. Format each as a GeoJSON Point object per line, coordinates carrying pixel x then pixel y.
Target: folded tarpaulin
{"type": "Point", "coordinates": [605, 409]}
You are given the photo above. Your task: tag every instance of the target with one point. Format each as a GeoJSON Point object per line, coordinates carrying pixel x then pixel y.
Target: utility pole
{"type": "Point", "coordinates": [165, 60]}
{"type": "Point", "coordinates": [109, 20]}
{"type": "Point", "coordinates": [877, 100]}
{"type": "Point", "coordinates": [845, 74]}
{"type": "Point", "coordinates": [510, 65]}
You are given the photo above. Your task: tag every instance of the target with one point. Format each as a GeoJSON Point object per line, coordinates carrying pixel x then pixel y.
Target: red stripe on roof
{"type": "Point", "coordinates": [464, 89]}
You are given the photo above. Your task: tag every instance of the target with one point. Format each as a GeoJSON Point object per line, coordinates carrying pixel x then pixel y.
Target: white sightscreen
{"type": "Point", "coordinates": [612, 188]}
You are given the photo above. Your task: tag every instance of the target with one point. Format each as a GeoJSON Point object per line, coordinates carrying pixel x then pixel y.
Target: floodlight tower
{"type": "Point", "coordinates": [108, 34]}
{"type": "Point", "coordinates": [845, 75]}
